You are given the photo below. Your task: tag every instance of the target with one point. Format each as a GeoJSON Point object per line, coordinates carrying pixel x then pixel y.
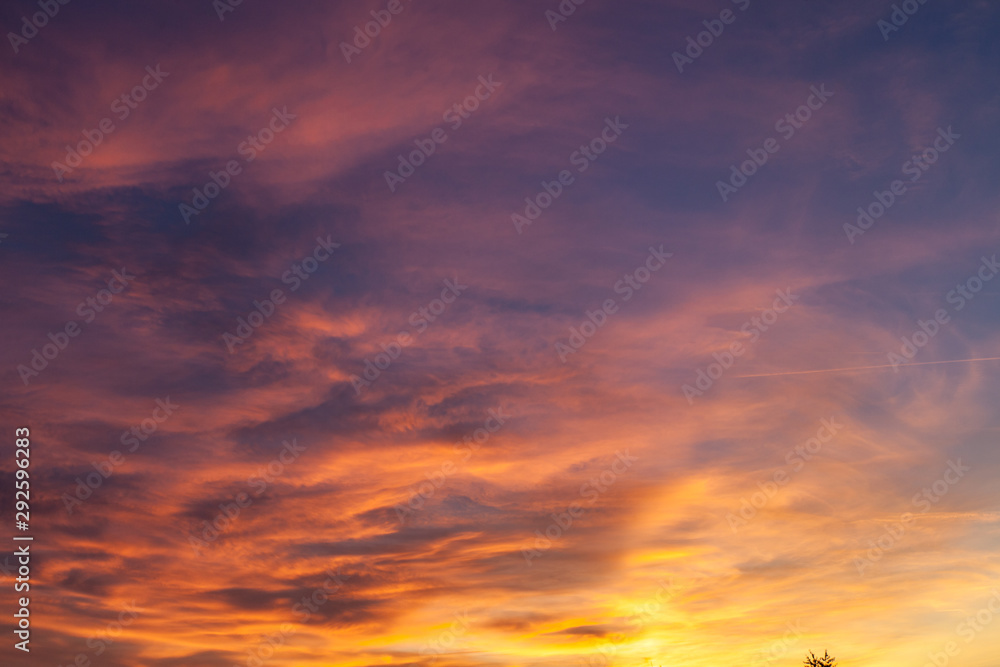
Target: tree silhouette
{"type": "Point", "coordinates": [826, 661]}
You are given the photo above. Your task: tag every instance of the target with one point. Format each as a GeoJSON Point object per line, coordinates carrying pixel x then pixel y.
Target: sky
{"type": "Point", "coordinates": [488, 337]}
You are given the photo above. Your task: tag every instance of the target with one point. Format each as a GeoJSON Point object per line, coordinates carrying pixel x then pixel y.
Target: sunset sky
{"type": "Point", "coordinates": [478, 344]}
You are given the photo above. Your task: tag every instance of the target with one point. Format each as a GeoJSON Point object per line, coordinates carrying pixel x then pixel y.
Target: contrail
{"type": "Point", "coordinates": [863, 368]}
